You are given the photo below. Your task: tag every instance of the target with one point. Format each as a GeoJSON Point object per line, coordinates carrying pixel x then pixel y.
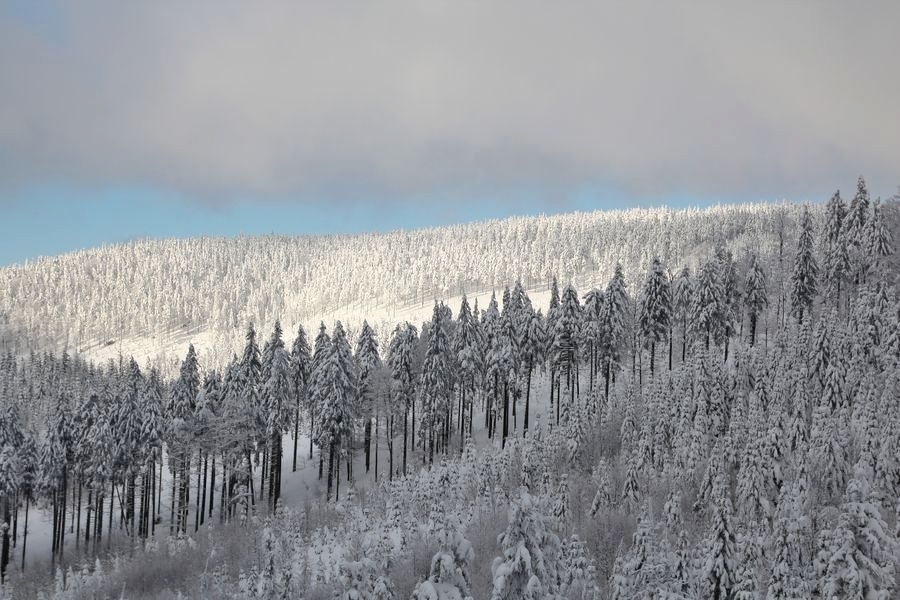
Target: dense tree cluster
{"type": "Point", "coordinates": [760, 458]}
{"type": "Point", "coordinates": [143, 296]}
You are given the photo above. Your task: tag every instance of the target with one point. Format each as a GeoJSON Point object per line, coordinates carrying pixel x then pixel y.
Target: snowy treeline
{"type": "Point", "coordinates": [697, 432]}
{"type": "Point", "coordinates": [153, 289]}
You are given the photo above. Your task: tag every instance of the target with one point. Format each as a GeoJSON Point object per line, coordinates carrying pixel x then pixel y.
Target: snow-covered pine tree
{"type": "Point", "coordinates": [656, 309]}
{"type": "Point", "coordinates": [368, 363]}
{"type": "Point", "coordinates": [469, 358]}
{"type": "Point", "coordinates": [301, 365]}
{"type": "Point", "coordinates": [603, 495]}
{"type": "Point", "coordinates": [645, 570]}
{"type": "Point", "coordinates": [530, 565]}
{"type": "Point", "coordinates": [614, 319]}
{"type": "Point", "coordinates": [279, 414]}
{"type": "Point", "coordinates": [730, 302]}
{"type": "Point", "coordinates": [860, 558]}
{"type": "Point", "coordinates": [321, 350]}
{"type": "Point", "coordinates": [566, 333]}
{"type": "Point", "coordinates": [787, 578]}
{"type": "Point", "coordinates": [880, 239]}
{"type": "Point", "coordinates": [10, 481]}
{"type": "Point", "coordinates": [756, 298]}
{"type": "Point", "coordinates": [180, 411]}
{"type": "Point", "coordinates": [836, 257]}
{"type": "Point", "coordinates": [401, 361]}
{"type": "Point", "coordinates": [449, 573]}
{"type": "Point", "coordinates": [591, 331]}
{"type": "Point", "coordinates": [706, 318]}
{"type": "Point", "coordinates": [682, 296]}
{"type": "Point", "coordinates": [718, 571]}
{"type": "Point", "coordinates": [805, 273]}
{"type": "Point", "coordinates": [854, 232]}
{"type": "Point", "coordinates": [436, 384]}
{"type": "Point", "coordinates": [128, 435]}
{"type": "Point", "coordinates": [272, 345]}
{"type": "Point", "coordinates": [498, 364]}
{"type": "Point", "coordinates": [339, 380]}
{"type": "Point", "coordinates": [533, 353]}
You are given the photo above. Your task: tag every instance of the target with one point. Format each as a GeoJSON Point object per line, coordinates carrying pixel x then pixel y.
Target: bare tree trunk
{"type": "Point", "coordinates": [87, 518]}
{"type": "Point", "coordinates": [212, 485]}
{"type": "Point", "coordinates": [527, 401]}
{"type": "Point", "coordinates": [311, 435]}
{"type": "Point", "coordinates": [202, 496]}
{"type": "Point", "coordinates": [25, 531]}
{"type": "Point", "coordinates": [155, 483]}
{"type": "Point", "coordinates": [670, 348]}
{"type": "Point", "coordinates": [62, 528]}
{"type": "Point", "coordinates": [4, 548]}
{"type": "Point", "coordinates": [505, 414]}
{"type": "Point", "coordinates": [391, 448]}
{"type": "Point", "coordinates": [172, 508]}
{"type": "Point", "coordinates": [330, 471]}
{"type": "Point", "coordinates": [405, 421]}
{"type": "Point", "coordinates": [198, 503]}
{"type": "Point", "coordinates": [462, 417]}
{"type": "Point", "coordinates": [112, 500]}
{"type": "Point", "coordinates": [368, 441]}
{"type": "Point", "coordinates": [296, 434]}
{"type": "Point", "coordinates": [159, 486]}
{"type": "Point", "coordinates": [264, 465]}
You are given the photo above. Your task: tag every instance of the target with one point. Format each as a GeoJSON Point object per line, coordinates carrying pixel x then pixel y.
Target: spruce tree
{"type": "Point", "coordinates": [181, 409]}
{"type": "Point", "coordinates": [335, 423]}
{"type": "Point", "coordinates": [279, 415]}
{"type": "Point", "coordinates": [469, 358]}
{"type": "Point", "coordinates": [401, 361]}
{"type": "Point", "coordinates": [706, 315]}
{"type": "Point", "coordinates": [9, 487]}
{"type": "Point", "coordinates": [616, 309]}
{"type": "Point", "coordinates": [436, 384]}
{"type": "Point", "coordinates": [756, 298]}
{"type": "Point", "coordinates": [301, 364]}
{"type": "Point", "coordinates": [530, 565]}
{"type": "Point", "coordinates": [881, 241]}
{"type": "Point", "coordinates": [533, 355]}
{"type": "Point", "coordinates": [591, 331]}
{"type": "Point", "coordinates": [682, 296]}
{"type": "Point", "coordinates": [656, 309]}
{"type": "Point", "coordinates": [321, 350]}
{"type": "Point", "coordinates": [855, 232]}
{"type": "Point", "coordinates": [719, 570]}
{"type": "Point", "coordinates": [566, 333]}
{"type": "Point", "coordinates": [368, 364]}
{"type": "Point", "coordinates": [859, 559]}
{"type": "Point", "coordinates": [805, 272]}
{"type": "Point", "coordinates": [836, 258]}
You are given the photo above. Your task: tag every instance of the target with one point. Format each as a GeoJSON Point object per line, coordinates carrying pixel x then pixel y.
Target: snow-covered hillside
{"type": "Point", "coordinates": [716, 416]}
{"type": "Point", "coordinates": [150, 298]}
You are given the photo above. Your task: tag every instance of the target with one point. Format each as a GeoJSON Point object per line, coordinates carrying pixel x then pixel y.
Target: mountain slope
{"type": "Point", "coordinates": [149, 298]}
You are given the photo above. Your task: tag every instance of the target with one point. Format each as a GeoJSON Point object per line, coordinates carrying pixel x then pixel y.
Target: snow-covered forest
{"type": "Point", "coordinates": [150, 299]}
{"type": "Point", "coordinates": [707, 406]}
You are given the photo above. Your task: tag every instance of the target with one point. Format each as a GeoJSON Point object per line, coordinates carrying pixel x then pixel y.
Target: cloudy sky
{"type": "Point", "coordinates": [127, 119]}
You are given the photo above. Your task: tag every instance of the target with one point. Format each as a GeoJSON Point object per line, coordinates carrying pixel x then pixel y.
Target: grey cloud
{"type": "Point", "coordinates": [301, 98]}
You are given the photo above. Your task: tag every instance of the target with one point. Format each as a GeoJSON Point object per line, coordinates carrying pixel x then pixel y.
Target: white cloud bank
{"type": "Point", "coordinates": [300, 98]}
